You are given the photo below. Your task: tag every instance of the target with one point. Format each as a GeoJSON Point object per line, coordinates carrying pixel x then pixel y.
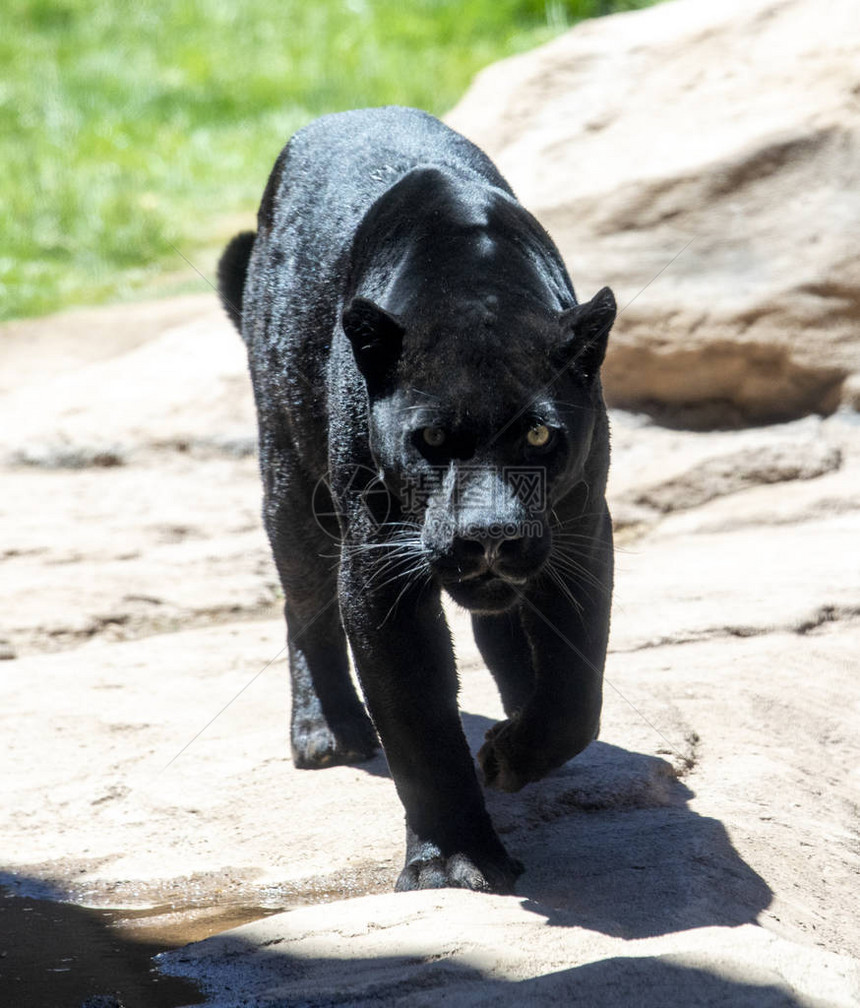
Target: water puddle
{"type": "Point", "coordinates": [58, 954]}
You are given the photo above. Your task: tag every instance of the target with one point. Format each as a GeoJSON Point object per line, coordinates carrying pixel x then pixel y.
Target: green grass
{"type": "Point", "coordinates": [131, 130]}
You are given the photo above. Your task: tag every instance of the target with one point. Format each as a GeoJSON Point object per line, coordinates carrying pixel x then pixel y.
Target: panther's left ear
{"type": "Point", "coordinates": [585, 330]}
{"type": "Point", "coordinates": [376, 337]}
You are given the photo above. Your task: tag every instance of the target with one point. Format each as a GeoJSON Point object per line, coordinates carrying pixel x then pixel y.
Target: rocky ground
{"type": "Point", "coordinates": [704, 851]}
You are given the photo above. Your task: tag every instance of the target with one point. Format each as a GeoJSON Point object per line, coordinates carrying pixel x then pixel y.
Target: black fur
{"type": "Point", "coordinates": [420, 365]}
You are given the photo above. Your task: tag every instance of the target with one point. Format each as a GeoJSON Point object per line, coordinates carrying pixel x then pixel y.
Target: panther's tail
{"type": "Point", "coordinates": [232, 271]}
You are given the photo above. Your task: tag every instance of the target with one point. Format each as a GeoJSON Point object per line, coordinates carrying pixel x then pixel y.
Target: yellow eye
{"type": "Point", "coordinates": [538, 436]}
{"type": "Point", "coordinates": [433, 436]}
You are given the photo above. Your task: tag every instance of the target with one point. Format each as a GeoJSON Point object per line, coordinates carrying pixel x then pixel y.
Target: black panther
{"type": "Point", "coordinates": [430, 412]}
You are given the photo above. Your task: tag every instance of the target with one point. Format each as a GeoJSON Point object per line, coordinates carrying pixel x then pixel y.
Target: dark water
{"type": "Point", "coordinates": [58, 955]}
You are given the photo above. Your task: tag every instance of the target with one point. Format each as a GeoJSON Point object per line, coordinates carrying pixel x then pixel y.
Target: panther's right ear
{"type": "Point", "coordinates": [376, 337]}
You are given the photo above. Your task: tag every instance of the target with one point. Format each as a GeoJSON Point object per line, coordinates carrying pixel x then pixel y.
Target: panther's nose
{"type": "Point", "coordinates": [479, 553]}
{"type": "Point", "coordinates": [501, 548]}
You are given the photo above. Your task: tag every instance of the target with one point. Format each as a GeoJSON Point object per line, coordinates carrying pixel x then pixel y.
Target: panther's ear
{"type": "Point", "coordinates": [585, 330]}
{"type": "Point", "coordinates": [376, 337]}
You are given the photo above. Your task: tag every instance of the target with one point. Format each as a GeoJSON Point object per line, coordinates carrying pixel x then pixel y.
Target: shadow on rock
{"type": "Point", "coordinates": [228, 964]}
{"type": "Point", "coordinates": [610, 844]}
{"type": "Point", "coordinates": [376, 766]}
{"type": "Point", "coordinates": [645, 982]}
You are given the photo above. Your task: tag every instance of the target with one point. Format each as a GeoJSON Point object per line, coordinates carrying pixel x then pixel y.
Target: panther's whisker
{"type": "Point", "coordinates": [391, 570]}
{"type": "Point", "coordinates": [395, 574]}
{"type": "Point", "coordinates": [575, 537]}
{"type": "Point", "coordinates": [574, 519]}
{"type": "Point", "coordinates": [578, 570]}
{"type": "Point", "coordinates": [357, 548]}
{"type": "Point", "coordinates": [428, 395]}
{"type": "Point", "coordinates": [578, 550]}
{"type": "Point", "coordinates": [408, 553]}
{"type": "Point", "coordinates": [563, 577]}
{"type": "Point", "coordinates": [411, 580]}
{"type": "Point", "coordinates": [565, 589]}
{"type": "Point", "coordinates": [571, 405]}
{"type": "Point", "coordinates": [414, 408]}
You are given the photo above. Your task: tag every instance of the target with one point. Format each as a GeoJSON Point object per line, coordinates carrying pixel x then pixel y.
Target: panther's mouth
{"type": "Point", "coordinates": [485, 592]}
{"type": "Point", "coordinates": [488, 576]}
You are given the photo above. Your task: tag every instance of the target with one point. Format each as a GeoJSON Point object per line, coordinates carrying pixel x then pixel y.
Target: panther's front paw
{"type": "Point", "coordinates": [316, 744]}
{"type": "Point", "coordinates": [432, 870]}
{"type": "Point", "coordinates": [506, 762]}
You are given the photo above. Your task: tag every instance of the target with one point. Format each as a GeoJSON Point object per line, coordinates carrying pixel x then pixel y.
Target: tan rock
{"type": "Point", "coordinates": [702, 852]}
{"type": "Point", "coordinates": [702, 159]}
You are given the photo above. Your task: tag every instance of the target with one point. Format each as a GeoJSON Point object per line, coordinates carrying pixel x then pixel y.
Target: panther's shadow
{"type": "Point", "coordinates": [610, 844]}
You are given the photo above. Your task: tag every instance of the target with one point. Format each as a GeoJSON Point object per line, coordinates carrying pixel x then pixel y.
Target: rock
{"type": "Point", "coordinates": [771, 455]}
{"type": "Point", "coordinates": [391, 950]}
{"type": "Point", "coordinates": [32, 352]}
{"type": "Point", "coordinates": [656, 471]}
{"type": "Point", "coordinates": [730, 473]}
{"type": "Point", "coordinates": [112, 404]}
{"type": "Point", "coordinates": [702, 159]}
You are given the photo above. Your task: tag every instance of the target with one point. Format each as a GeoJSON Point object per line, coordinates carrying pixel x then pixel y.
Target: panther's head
{"type": "Point", "coordinates": [478, 430]}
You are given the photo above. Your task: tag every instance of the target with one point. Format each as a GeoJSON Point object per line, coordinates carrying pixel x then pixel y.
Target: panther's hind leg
{"type": "Point", "coordinates": [505, 649]}
{"type": "Point", "coordinates": [328, 724]}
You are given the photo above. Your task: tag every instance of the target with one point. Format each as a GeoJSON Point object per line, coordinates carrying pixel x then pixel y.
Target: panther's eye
{"type": "Point", "coordinates": [433, 436]}
{"type": "Point", "coordinates": [538, 436]}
